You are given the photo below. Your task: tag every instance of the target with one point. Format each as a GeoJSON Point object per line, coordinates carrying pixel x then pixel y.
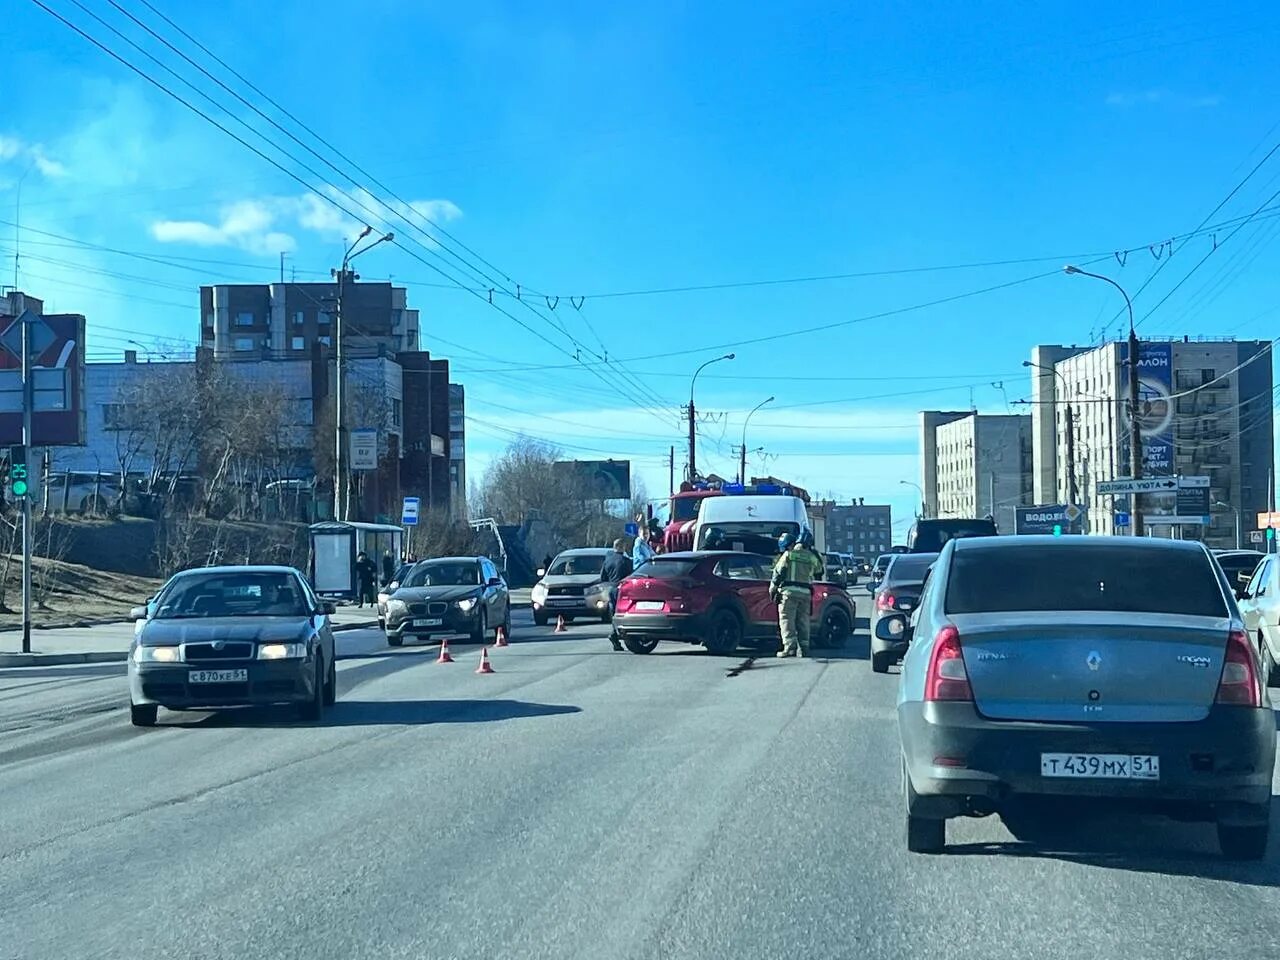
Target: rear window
{"type": "Point", "coordinates": [910, 568]}
{"type": "Point", "coordinates": [930, 536]}
{"type": "Point", "coordinates": [1076, 576]}
{"type": "Point", "coordinates": [660, 569]}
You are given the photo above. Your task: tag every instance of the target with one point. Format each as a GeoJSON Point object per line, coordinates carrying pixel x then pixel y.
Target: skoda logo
{"type": "Point", "coordinates": [219, 644]}
{"type": "Point", "coordinates": [1094, 660]}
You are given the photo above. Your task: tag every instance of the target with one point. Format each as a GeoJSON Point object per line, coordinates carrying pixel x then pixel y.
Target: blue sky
{"type": "Point", "coordinates": [584, 151]}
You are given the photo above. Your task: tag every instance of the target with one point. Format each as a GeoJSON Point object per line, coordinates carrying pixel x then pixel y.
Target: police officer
{"type": "Point", "coordinates": [792, 589]}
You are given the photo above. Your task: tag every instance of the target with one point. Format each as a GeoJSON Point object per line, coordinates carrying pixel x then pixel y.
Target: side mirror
{"type": "Point", "coordinates": [893, 627]}
{"type": "Point", "coordinates": [138, 613]}
{"type": "Point", "coordinates": [495, 581]}
{"type": "Point", "coordinates": [542, 571]}
{"type": "Point", "coordinates": [329, 608]}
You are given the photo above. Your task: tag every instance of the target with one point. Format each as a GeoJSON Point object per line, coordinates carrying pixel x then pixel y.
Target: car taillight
{"type": "Point", "coordinates": [947, 678]}
{"type": "Point", "coordinates": [1239, 684]}
{"type": "Point", "coordinates": [885, 601]}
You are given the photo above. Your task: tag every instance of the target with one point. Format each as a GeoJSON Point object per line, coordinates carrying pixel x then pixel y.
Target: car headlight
{"type": "Point", "coordinates": [539, 593]}
{"type": "Point", "coordinates": [468, 604]}
{"type": "Point", "coordinates": [397, 607]}
{"type": "Point", "coordinates": [143, 654]}
{"type": "Point", "coordinates": [282, 651]}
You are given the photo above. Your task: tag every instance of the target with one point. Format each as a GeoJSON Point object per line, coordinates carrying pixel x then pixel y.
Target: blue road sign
{"type": "Point", "coordinates": [1122, 519]}
{"type": "Point", "coordinates": [632, 529]}
{"type": "Point", "coordinates": [409, 512]}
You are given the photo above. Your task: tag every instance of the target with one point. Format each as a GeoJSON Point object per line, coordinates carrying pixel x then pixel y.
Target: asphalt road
{"type": "Point", "coordinates": [578, 803]}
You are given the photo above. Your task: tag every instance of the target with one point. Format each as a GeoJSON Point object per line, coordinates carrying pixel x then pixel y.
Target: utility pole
{"type": "Point", "coordinates": [1072, 493]}
{"type": "Point", "coordinates": [671, 469]}
{"type": "Point", "coordinates": [28, 398]}
{"type": "Point", "coordinates": [1135, 430]}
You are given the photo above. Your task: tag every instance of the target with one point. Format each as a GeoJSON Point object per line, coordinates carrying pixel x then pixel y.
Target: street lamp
{"type": "Point", "coordinates": [693, 469]}
{"type": "Point", "coordinates": [1135, 426]}
{"type": "Point", "coordinates": [339, 513]}
{"type": "Point", "coordinates": [742, 467]}
{"type": "Point", "coordinates": [924, 507]}
{"type": "Point", "coordinates": [1236, 511]}
{"type": "Point", "coordinates": [1070, 429]}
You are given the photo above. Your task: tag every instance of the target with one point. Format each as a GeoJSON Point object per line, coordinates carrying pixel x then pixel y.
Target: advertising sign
{"type": "Point", "coordinates": [596, 479]}
{"type": "Point", "coordinates": [364, 449]}
{"type": "Point", "coordinates": [57, 375]}
{"type": "Point", "coordinates": [1155, 409]}
{"type": "Point", "coordinates": [1043, 519]}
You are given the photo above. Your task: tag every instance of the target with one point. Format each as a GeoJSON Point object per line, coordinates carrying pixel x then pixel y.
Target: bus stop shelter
{"type": "Point", "coordinates": [335, 546]}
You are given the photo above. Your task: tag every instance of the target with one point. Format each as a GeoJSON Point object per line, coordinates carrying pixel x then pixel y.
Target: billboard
{"type": "Point", "coordinates": [1155, 409]}
{"type": "Point", "coordinates": [1042, 519]}
{"type": "Point", "coordinates": [58, 381]}
{"type": "Point", "coordinates": [599, 479]}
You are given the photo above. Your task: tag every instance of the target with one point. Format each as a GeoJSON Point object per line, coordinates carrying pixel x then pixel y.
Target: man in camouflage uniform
{"type": "Point", "coordinates": [792, 589]}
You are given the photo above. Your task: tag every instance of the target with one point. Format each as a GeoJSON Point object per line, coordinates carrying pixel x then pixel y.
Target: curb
{"type": "Point", "coordinates": [61, 659]}
{"type": "Point", "coordinates": [67, 625]}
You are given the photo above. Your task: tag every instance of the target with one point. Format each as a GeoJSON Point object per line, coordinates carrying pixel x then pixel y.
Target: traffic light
{"type": "Point", "coordinates": [18, 471]}
{"type": "Point", "coordinates": [1271, 534]}
{"type": "Point", "coordinates": [1057, 529]}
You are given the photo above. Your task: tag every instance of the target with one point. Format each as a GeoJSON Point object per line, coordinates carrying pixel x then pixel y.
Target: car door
{"type": "Point", "coordinates": [1254, 594]}
{"type": "Point", "coordinates": [741, 575]}
{"type": "Point", "coordinates": [323, 622]}
{"type": "Point", "coordinates": [501, 595]}
{"type": "Point", "coordinates": [1267, 607]}
{"type": "Point", "coordinates": [490, 592]}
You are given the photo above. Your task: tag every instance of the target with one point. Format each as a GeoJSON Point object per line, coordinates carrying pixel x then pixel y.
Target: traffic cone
{"type": "Point", "coordinates": [560, 625]}
{"type": "Point", "coordinates": [502, 638]}
{"type": "Point", "coordinates": [485, 666]}
{"type": "Point", "coordinates": [444, 652]}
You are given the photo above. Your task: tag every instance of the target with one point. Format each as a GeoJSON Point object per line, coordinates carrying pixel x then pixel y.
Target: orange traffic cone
{"type": "Point", "coordinates": [560, 625]}
{"type": "Point", "coordinates": [485, 666]}
{"type": "Point", "coordinates": [444, 652]}
{"type": "Point", "coordinates": [502, 638]}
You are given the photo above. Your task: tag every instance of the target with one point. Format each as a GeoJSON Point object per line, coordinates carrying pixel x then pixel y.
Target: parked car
{"type": "Point", "coordinates": [1259, 595]}
{"type": "Point", "coordinates": [718, 599]}
{"type": "Point", "coordinates": [390, 587]}
{"type": "Point", "coordinates": [81, 492]}
{"type": "Point", "coordinates": [572, 586]}
{"type": "Point", "coordinates": [232, 636]}
{"type": "Point", "coordinates": [930, 536]}
{"type": "Point", "coordinates": [1110, 668]}
{"type": "Point", "coordinates": [861, 565]}
{"type": "Point", "coordinates": [459, 598]}
{"type": "Point", "coordinates": [1238, 565]}
{"type": "Point", "coordinates": [837, 569]}
{"type": "Point", "coordinates": [898, 591]}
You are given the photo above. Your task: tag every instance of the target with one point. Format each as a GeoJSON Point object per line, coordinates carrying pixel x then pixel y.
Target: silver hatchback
{"type": "Point", "coordinates": [1082, 667]}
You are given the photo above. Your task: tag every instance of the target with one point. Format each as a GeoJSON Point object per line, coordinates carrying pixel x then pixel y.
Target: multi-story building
{"type": "Point", "coordinates": [1206, 410]}
{"type": "Point", "coordinates": [458, 448]}
{"type": "Point", "coordinates": [285, 320]}
{"type": "Point", "coordinates": [863, 529]}
{"type": "Point", "coordinates": [977, 465]}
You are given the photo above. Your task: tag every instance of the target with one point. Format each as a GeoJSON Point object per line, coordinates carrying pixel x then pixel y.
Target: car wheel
{"type": "Point", "coordinates": [880, 661]}
{"type": "Point", "coordinates": [382, 624]}
{"type": "Point", "coordinates": [143, 714]}
{"type": "Point", "coordinates": [1244, 842]}
{"type": "Point", "coordinates": [924, 834]}
{"type": "Point", "coordinates": [539, 618]}
{"type": "Point", "coordinates": [1270, 671]}
{"type": "Point", "coordinates": [394, 641]}
{"type": "Point", "coordinates": [331, 685]}
{"type": "Point", "coordinates": [478, 634]}
{"type": "Point", "coordinates": [724, 636]}
{"type": "Point", "coordinates": [639, 644]}
{"type": "Point", "coordinates": [313, 708]}
{"type": "Point", "coordinates": [836, 628]}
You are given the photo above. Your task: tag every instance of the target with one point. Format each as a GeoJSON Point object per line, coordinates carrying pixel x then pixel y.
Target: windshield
{"type": "Point", "coordinates": [578, 565]}
{"type": "Point", "coordinates": [746, 536]}
{"type": "Point", "coordinates": [1081, 576]}
{"type": "Point", "coordinates": [444, 573]}
{"type": "Point", "coordinates": [684, 509]}
{"type": "Point", "coordinates": [191, 595]}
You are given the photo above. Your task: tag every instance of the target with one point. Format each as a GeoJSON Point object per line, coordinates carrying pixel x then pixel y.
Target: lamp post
{"type": "Point", "coordinates": [693, 467]}
{"type": "Point", "coordinates": [924, 506]}
{"type": "Point", "coordinates": [341, 274]}
{"type": "Point", "coordinates": [1135, 426]}
{"type": "Point", "coordinates": [1236, 511]}
{"type": "Point", "coordinates": [742, 464]}
{"type": "Point", "coordinates": [1070, 427]}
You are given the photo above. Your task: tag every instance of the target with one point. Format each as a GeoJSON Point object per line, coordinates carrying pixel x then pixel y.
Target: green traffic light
{"type": "Point", "coordinates": [1271, 533]}
{"type": "Point", "coordinates": [19, 488]}
{"type": "Point", "coordinates": [1057, 529]}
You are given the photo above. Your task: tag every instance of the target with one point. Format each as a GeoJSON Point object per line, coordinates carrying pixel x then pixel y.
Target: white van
{"type": "Point", "coordinates": [748, 523]}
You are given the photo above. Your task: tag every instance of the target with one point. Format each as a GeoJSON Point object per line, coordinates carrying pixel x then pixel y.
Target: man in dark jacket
{"type": "Point", "coordinates": [617, 567]}
{"type": "Point", "coordinates": [388, 567]}
{"type": "Point", "coordinates": [366, 577]}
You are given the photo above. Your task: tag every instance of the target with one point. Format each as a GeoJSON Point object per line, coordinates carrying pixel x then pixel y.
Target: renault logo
{"type": "Point", "coordinates": [1094, 660]}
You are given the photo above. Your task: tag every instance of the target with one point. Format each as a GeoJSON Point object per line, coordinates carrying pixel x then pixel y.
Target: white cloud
{"type": "Point", "coordinates": [32, 154]}
{"type": "Point", "coordinates": [259, 226]}
{"type": "Point", "coordinates": [1159, 95]}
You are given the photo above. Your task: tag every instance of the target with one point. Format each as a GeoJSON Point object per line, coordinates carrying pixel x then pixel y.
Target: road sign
{"type": "Point", "coordinates": [1071, 512]}
{"type": "Point", "coordinates": [364, 449]}
{"type": "Point", "coordinates": [1187, 483]}
{"type": "Point", "coordinates": [1178, 520]}
{"type": "Point", "coordinates": [1268, 520]}
{"type": "Point", "coordinates": [39, 333]}
{"type": "Point", "coordinates": [632, 529]}
{"type": "Point", "coordinates": [1122, 519]}
{"type": "Point", "coordinates": [409, 512]}
{"type": "Point", "coordinates": [1257, 536]}
{"type": "Point", "coordinates": [1143, 485]}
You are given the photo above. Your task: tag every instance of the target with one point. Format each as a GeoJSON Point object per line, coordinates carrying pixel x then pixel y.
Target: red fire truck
{"type": "Point", "coordinates": [678, 533]}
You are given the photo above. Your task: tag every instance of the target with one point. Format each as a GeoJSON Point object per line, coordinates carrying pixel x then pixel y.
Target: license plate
{"type": "Point", "coordinates": [218, 676]}
{"type": "Point", "coordinates": [563, 601]}
{"type": "Point", "coordinates": [1100, 766]}
{"type": "Point", "coordinates": [649, 606]}
{"type": "Point", "coordinates": [428, 623]}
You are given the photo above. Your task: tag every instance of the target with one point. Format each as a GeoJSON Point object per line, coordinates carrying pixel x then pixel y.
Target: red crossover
{"type": "Point", "coordinates": [718, 599]}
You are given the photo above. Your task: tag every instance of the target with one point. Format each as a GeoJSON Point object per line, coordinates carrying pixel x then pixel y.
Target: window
{"type": "Point", "coordinates": [738, 568]}
{"type": "Point", "coordinates": [298, 343]}
{"type": "Point", "coordinates": [244, 343]}
{"type": "Point", "coordinates": [324, 340]}
{"type": "Point", "coordinates": [118, 416]}
{"type": "Point", "coordinates": [298, 318]}
{"type": "Point", "coordinates": [322, 318]}
{"type": "Point", "coordinates": [244, 319]}
{"type": "Point", "coordinates": [397, 408]}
